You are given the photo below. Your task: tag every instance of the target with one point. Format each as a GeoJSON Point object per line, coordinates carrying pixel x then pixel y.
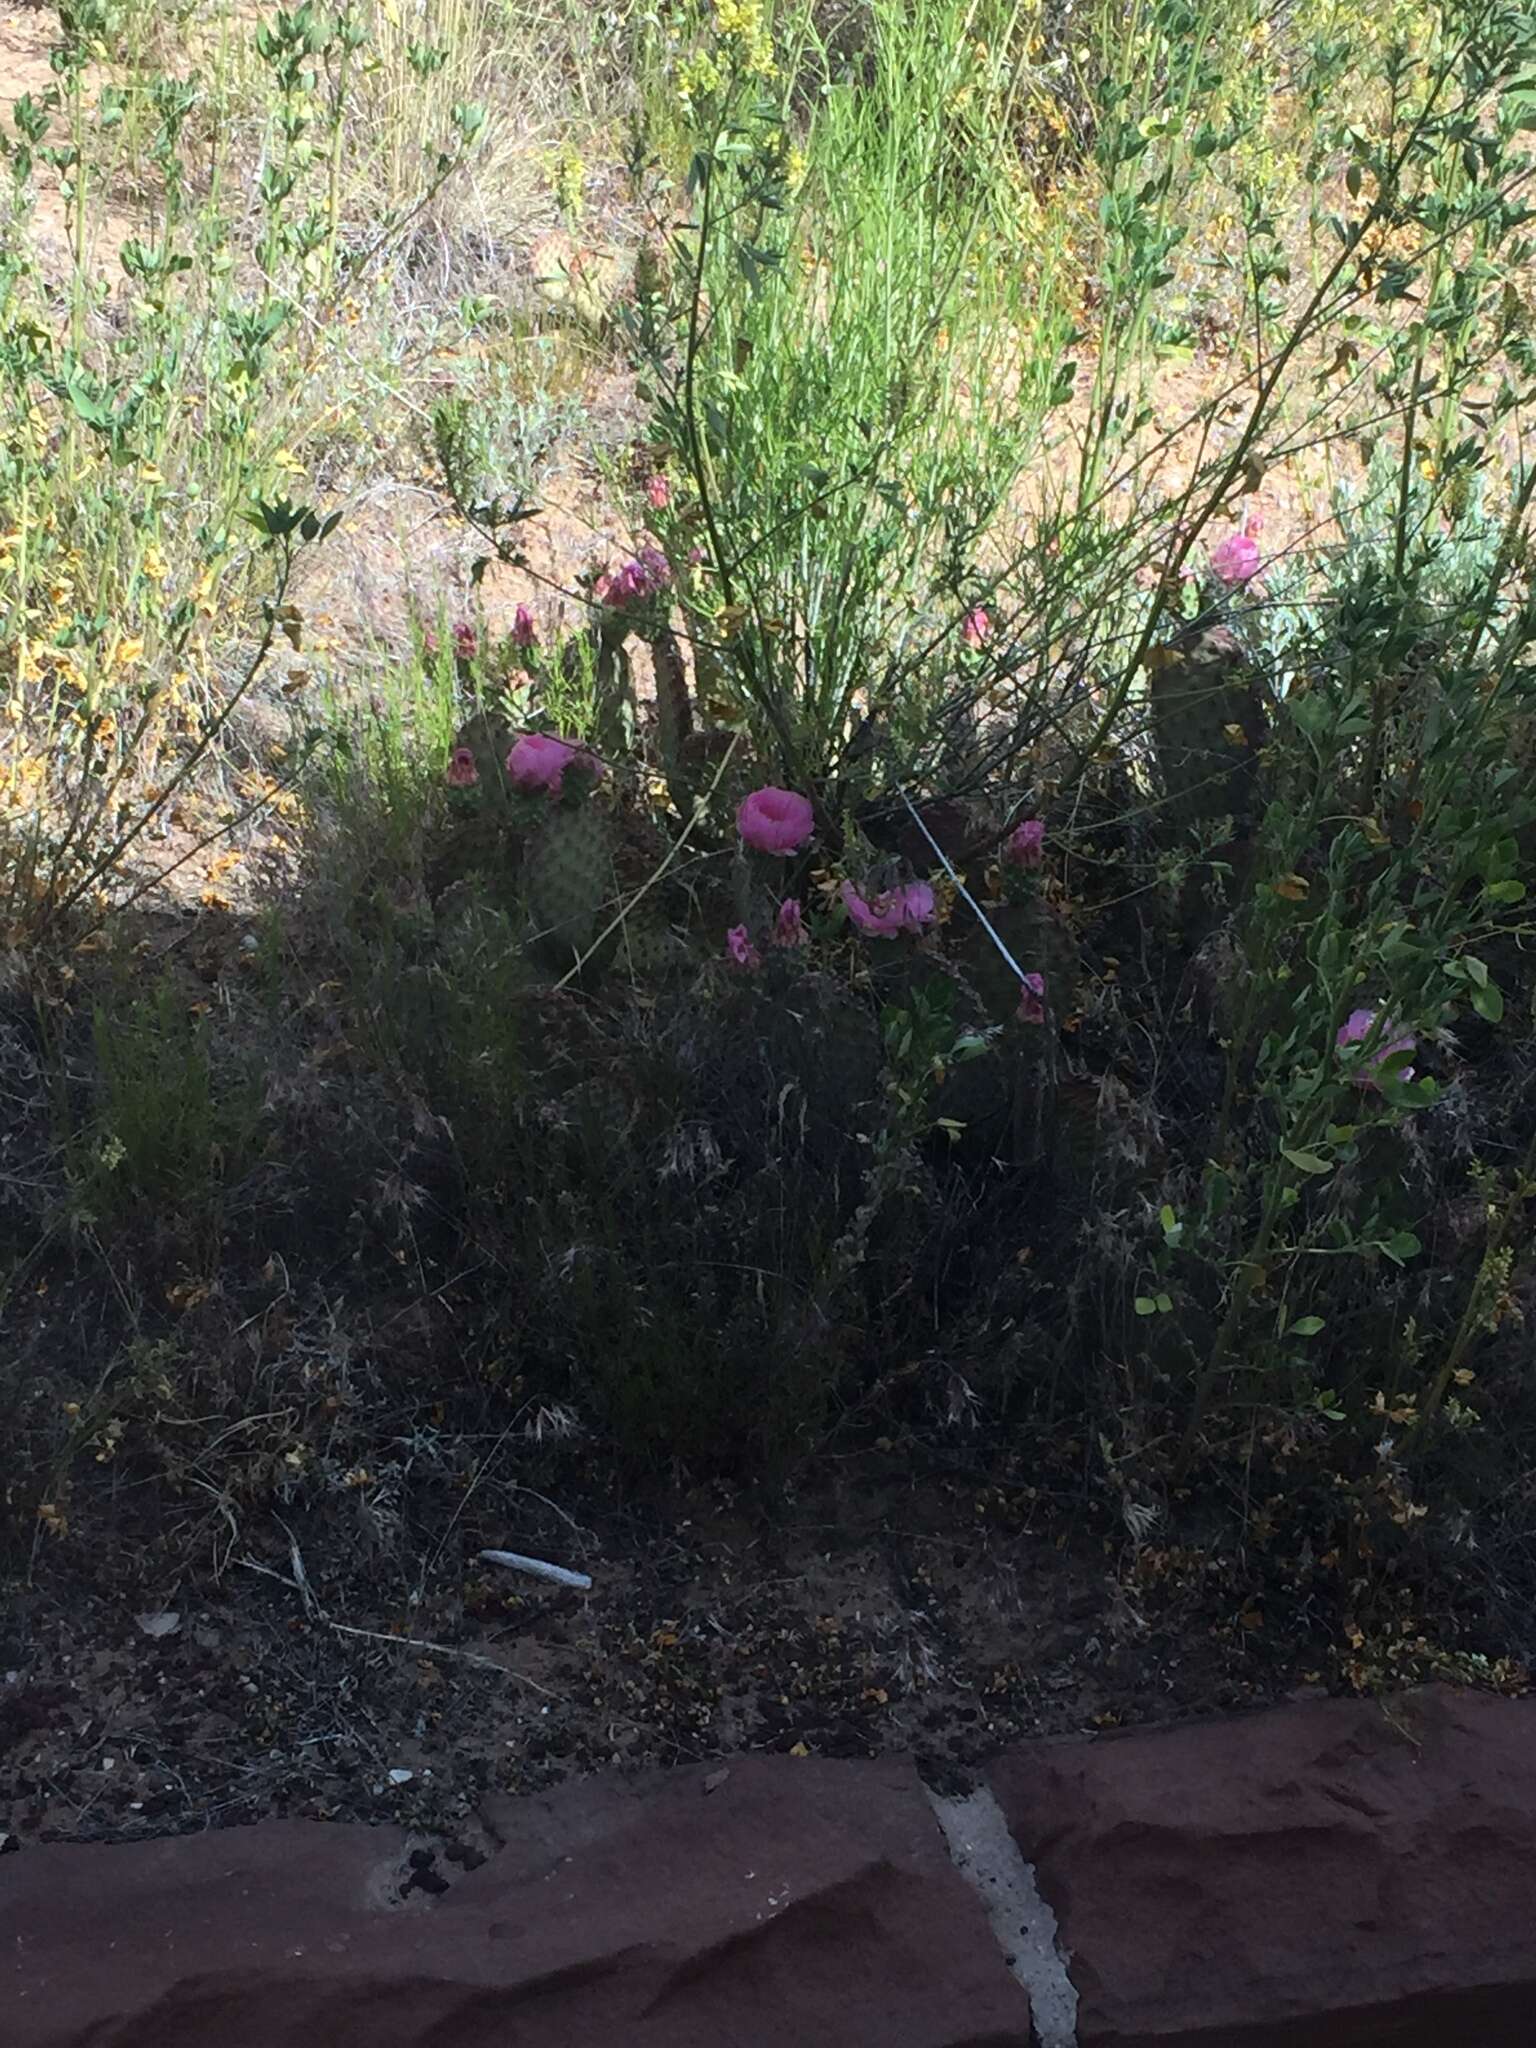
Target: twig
{"type": "Point", "coordinates": [373, 1635]}
{"type": "Point", "coordinates": [300, 1585]}
{"type": "Point", "coordinates": [536, 1568]}
{"type": "Point", "coordinates": [312, 1605]}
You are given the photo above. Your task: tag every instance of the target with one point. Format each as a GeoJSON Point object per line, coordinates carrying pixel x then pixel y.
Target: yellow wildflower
{"type": "Point", "coordinates": [743, 29]}
{"type": "Point", "coordinates": [698, 77]}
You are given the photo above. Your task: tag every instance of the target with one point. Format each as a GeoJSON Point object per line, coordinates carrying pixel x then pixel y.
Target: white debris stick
{"type": "Point", "coordinates": [538, 1569]}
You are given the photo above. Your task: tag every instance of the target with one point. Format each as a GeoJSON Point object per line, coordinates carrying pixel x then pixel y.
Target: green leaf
{"type": "Point", "coordinates": [1487, 1002]}
{"type": "Point", "coordinates": [1476, 971]}
{"type": "Point", "coordinates": [469, 119]}
{"type": "Point", "coordinates": [1164, 1304]}
{"type": "Point", "coordinates": [1306, 1162]}
{"type": "Point", "coordinates": [1505, 892]}
{"type": "Point", "coordinates": [1307, 1326]}
{"type": "Point", "coordinates": [1401, 1246]}
{"type": "Point", "coordinates": [1144, 1305]}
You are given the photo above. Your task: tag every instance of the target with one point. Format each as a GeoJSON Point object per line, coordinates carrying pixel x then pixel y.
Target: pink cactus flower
{"type": "Point", "coordinates": [465, 641]}
{"type": "Point", "coordinates": [1391, 1042]}
{"type": "Point", "coordinates": [976, 627]}
{"type": "Point", "coordinates": [1032, 999]}
{"type": "Point", "coordinates": [539, 761]}
{"type": "Point", "coordinates": [658, 492]}
{"type": "Point", "coordinates": [918, 905]}
{"type": "Point", "coordinates": [789, 926]}
{"type": "Point", "coordinates": [905, 909]}
{"type": "Point", "coordinates": [523, 633]}
{"type": "Point", "coordinates": [462, 772]}
{"type": "Point", "coordinates": [740, 950]}
{"type": "Point", "coordinates": [775, 820]}
{"type": "Point", "coordinates": [1236, 559]}
{"type": "Point", "coordinates": [1025, 845]}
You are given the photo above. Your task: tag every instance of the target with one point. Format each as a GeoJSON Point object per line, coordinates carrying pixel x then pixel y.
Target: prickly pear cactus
{"type": "Point", "coordinates": [649, 955]}
{"type": "Point", "coordinates": [613, 710]}
{"type": "Point", "coordinates": [1208, 727]}
{"type": "Point", "coordinates": [674, 719]}
{"type": "Point", "coordinates": [477, 838]}
{"type": "Point", "coordinates": [568, 873]}
{"type": "Point", "coordinates": [488, 735]}
{"type": "Point", "coordinates": [1039, 940]}
{"type": "Point", "coordinates": [595, 668]}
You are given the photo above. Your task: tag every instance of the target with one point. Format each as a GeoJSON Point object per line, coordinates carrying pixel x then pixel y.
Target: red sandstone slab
{"type": "Point", "coordinates": [797, 1904]}
{"type": "Point", "coordinates": [1332, 1874]}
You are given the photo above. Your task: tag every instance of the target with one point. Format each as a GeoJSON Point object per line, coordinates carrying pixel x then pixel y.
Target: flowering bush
{"type": "Point", "coordinates": [1089, 1158]}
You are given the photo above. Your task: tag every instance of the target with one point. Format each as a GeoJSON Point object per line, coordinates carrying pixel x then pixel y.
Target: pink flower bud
{"type": "Point", "coordinates": [789, 926]}
{"type": "Point", "coordinates": [1391, 1041]}
{"type": "Point", "coordinates": [740, 950]}
{"type": "Point", "coordinates": [1025, 845]}
{"type": "Point", "coordinates": [1235, 560]}
{"type": "Point", "coordinates": [649, 573]}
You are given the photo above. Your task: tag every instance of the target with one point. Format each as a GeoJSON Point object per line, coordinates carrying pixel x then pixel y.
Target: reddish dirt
{"type": "Point", "coordinates": [876, 1614]}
